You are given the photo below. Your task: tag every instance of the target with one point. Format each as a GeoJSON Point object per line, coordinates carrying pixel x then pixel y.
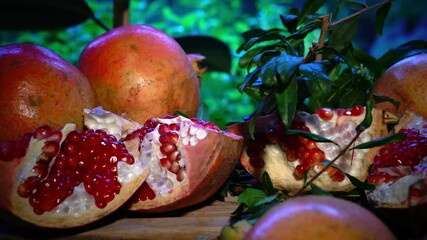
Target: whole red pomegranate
{"type": "Point", "coordinates": [405, 82]}
{"type": "Point", "coordinates": [287, 158]}
{"type": "Point", "coordinates": [318, 217]}
{"type": "Point", "coordinates": [67, 178]}
{"type": "Point", "coordinates": [39, 87]}
{"type": "Point", "coordinates": [142, 72]}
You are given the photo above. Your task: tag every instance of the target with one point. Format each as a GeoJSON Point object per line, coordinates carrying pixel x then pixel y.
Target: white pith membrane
{"type": "Point", "coordinates": [118, 126]}
{"type": "Point", "coordinates": [396, 195]}
{"type": "Point", "coordinates": [341, 130]}
{"type": "Point", "coordinates": [79, 208]}
{"type": "Point", "coordinates": [161, 180]}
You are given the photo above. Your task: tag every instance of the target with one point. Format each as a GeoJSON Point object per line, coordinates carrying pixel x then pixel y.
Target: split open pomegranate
{"type": "Point", "coordinates": [189, 159]}
{"type": "Point", "coordinates": [399, 171]}
{"type": "Point", "coordinates": [287, 158]}
{"type": "Point", "coordinates": [67, 178]}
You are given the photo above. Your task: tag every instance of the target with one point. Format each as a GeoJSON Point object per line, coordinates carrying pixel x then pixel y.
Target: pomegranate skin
{"type": "Point", "coordinates": [318, 217]}
{"type": "Point", "coordinates": [37, 87]}
{"type": "Point", "coordinates": [405, 82]}
{"type": "Point", "coordinates": [142, 72]}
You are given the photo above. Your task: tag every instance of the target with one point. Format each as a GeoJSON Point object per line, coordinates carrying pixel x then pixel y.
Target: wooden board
{"type": "Point", "coordinates": [200, 222]}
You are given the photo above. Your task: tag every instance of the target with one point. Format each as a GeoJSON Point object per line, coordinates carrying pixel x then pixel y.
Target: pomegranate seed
{"type": "Point", "coordinates": [300, 171]}
{"type": "Point", "coordinates": [166, 163]}
{"type": "Point", "coordinates": [167, 149]}
{"type": "Point", "coordinates": [181, 175]}
{"type": "Point", "coordinates": [163, 128]}
{"type": "Point", "coordinates": [145, 192]}
{"type": "Point", "coordinates": [42, 132]}
{"type": "Point", "coordinates": [325, 113]}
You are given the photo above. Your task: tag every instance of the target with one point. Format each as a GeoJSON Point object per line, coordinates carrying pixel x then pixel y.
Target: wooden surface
{"type": "Point", "coordinates": [200, 222]}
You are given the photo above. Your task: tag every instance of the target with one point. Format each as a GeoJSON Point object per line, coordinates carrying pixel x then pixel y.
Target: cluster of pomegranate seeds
{"type": "Point", "coordinates": [88, 157]}
{"type": "Point", "coordinates": [296, 148]}
{"type": "Point", "coordinates": [396, 160]}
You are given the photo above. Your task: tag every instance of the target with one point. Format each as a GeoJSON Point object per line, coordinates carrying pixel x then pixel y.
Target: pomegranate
{"type": "Point", "coordinates": [142, 72]}
{"type": "Point", "coordinates": [405, 82]}
{"type": "Point", "coordinates": [39, 87]}
{"type": "Point", "coordinates": [189, 159]}
{"type": "Point", "coordinates": [287, 158]}
{"type": "Point", "coordinates": [318, 217]}
{"type": "Point", "coordinates": [400, 168]}
{"type": "Point", "coordinates": [67, 178]}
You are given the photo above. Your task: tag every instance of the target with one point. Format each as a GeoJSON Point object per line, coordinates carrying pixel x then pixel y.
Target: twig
{"type": "Point", "coordinates": [325, 27]}
{"type": "Point", "coordinates": [358, 13]}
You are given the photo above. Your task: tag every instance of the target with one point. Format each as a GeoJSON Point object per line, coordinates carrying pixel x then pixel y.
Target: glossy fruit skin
{"type": "Point", "coordinates": [142, 72]}
{"type": "Point", "coordinates": [405, 81]}
{"type": "Point", "coordinates": [37, 87]}
{"type": "Point", "coordinates": [318, 217]}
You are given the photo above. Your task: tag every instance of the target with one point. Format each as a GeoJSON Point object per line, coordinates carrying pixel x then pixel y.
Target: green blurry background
{"type": "Point", "coordinates": [224, 20]}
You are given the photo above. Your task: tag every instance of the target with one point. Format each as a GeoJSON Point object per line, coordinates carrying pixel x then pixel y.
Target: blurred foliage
{"type": "Point", "coordinates": [225, 20]}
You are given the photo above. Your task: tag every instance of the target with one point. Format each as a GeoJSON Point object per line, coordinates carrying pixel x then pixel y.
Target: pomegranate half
{"type": "Point", "coordinates": [67, 178]}
{"type": "Point", "coordinates": [189, 159]}
{"type": "Point", "coordinates": [39, 87]}
{"type": "Point", "coordinates": [287, 158]}
{"type": "Point", "coordinates": [142, 72]}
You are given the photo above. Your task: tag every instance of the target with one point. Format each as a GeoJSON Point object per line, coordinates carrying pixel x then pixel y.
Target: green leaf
{"type": "Point", "coordinates": [251, 196]}
{"type": "Point", "coordinates": [402, 51]}
{"type": "Point", "coordinates": [382, 98]}
{"type": "Point", "coordinates": [268, 73]}
{"type": "Point", "coordinates": [287, 102]}
{"type": "Point", "coordinates": [250, 78]}
{"type": "Point", "coordinates": [367, 121]}
{"type": "Point", "coordinates": [352, 97]}
{"type": "Point", "coordinates": [328, 50]}
{"type": "Point", "coordinates": [267, 185]}
{"type": "Point", "coordinates": [318, 83]}
{"type": "Point", "coordinates": [272, 34]}
{"type": "Point", "coordinates": [287, 66]}
{"type": "Point", "coordinates": [309, 135]}
{"type": "Point", "coordinates": [367, 60]}
{"type": "Point", "coordinates": [310, 7]}
{"type": "Point", "coordinates": [290, 21]}
{"type": "Point", "coordinates": [359, 184]}
{"type": "Point", "coordinates": [380, 17]}
{"type": "Point", "coordinates": [316, 190]}
{"type": "Point", "coordinates": [342, 35]}
{"type": "Point", "coordinates": [381, 141]}
{"type": "Point", "coordinates": [355, 5]}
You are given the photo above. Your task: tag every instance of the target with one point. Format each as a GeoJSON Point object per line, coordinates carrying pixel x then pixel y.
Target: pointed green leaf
{"type": "Point", "coordinates": [342, 34]}
{"type": "Point", "coordinates": [382, 98]}
{"type": "Point", "coordinates": [287, 66]}
{"type": "Point", "coordinates": [381, 16]}
{"type": "Point", "coordinates": [290, 21]}
{"type": "Point", "coordinates": [402, 51]}
{"type": "Point", "coordinates": [267, 184]}
{"type": "Point", "coordinates": [310, 7]}
{"type": "Point", "coordinates": [309, 135]}
{"type": "Point", "coordinates": [359, 184]}
{"type": "Point", "coordinates": [251, 196]}
{"type": "Point", "coordinates": [367, 121]}
{"type": "Point", "coordinates": [381, 141]}
{"type": "Point", "coordinates": [316, 190]}
{"type": "Point", "coordinates": [250, 78]}
{"type": "Point", "coordinates": [318, 83]}
{"type": "Point", "coordinates": [287, 102]}
{"type": "Point", "coordinates": [355, 5]}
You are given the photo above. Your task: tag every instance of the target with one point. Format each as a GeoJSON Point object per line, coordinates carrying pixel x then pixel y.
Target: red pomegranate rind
{"type": "Point", "coordinates": [49, 190]}
{"type": "Point", "coordinates": [208, 164]}
{"type": "Point", "coordinates": [287, 158]}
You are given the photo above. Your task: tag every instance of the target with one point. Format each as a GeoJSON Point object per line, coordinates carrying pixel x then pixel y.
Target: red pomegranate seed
{"type": "Point", "coordinates": [325, 113]}
{"type": "Point", "coordinates": [181, 175]}
{"type": "Point", "coordinates": [167, 149]}
{"type": "Point", "coordinates": [42, 132]}
{"type": "Point", "coordinates": [144, 193]}
{"type": "Point", "coordinates": [169, 137]}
